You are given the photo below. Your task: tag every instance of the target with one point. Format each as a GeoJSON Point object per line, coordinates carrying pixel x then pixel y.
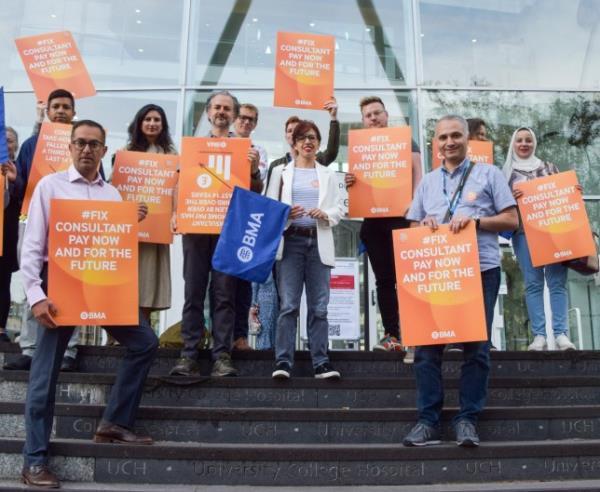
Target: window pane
{"type": "Point", "coordinates": [235, 44]}
{"type": "Point", "coordinates": [511, 43]}
{"type": "Point", "coordinates": [124, 43]}
{"type": "Point", "coordinates": [567, 124]}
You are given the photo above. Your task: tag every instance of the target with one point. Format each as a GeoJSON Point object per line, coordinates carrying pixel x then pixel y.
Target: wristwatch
{"type": "Point", "coordinates": [477, 220]}
{"type": "Point", "coordinates": [255, 174]}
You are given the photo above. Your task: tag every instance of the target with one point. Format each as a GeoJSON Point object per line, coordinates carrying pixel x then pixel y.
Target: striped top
{"type": "Point", "coordinates": [305, 192]}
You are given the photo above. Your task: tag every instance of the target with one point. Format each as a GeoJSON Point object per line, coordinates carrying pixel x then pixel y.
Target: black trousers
{"type": "Point", "coordinates": [198, 250]}
{"type": "Point", "coordinates": [376, 234]}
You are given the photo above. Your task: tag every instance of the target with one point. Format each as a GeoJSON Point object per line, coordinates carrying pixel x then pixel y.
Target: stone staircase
{"type": "Point", "coordinates": [542, 423]}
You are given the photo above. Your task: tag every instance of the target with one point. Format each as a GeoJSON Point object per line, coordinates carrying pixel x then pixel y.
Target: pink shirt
{"type": "Point", "coordinates": [70, 185]}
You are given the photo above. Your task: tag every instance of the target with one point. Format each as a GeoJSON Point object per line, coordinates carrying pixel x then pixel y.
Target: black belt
{"type": "Point", "coordinates": [301, 231]}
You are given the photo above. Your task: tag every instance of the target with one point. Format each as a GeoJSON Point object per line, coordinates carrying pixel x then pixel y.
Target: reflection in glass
{"type": "Point", "coordinates": [567, 124]}
{"type": "Point", "coordinates": [235, 40]}
{"type": "Point", "coordinates": [124, 43]}
{"type": "Point", "coordinates": [511, 44]}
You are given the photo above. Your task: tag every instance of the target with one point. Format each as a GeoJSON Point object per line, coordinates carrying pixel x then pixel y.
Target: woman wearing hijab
{"type": "Point", "coordinates": [522, 165]}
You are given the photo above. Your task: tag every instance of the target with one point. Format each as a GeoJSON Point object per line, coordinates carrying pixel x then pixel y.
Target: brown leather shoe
{"type": "Point", "coordinates": [241, 343]}
{"type": "Point", "coordinates": [40, 476]}
{"type": "Point", "coordinates": [107, 433]}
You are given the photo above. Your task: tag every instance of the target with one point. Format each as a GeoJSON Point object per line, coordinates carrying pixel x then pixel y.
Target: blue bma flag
{"type": "Point", "coordinates": [250, 236]}
{"type": "Point", "coordinates": [3, 146]}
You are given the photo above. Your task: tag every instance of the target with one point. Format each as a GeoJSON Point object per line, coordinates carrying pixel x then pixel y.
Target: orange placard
{"type": "Point", "coordinates": [439, 286]}
{"type": "Point", "coordinates": [149, 178]}
{"type": "Point", "coordinates": [210, 168]}
{"type": "Point", "coordinates": [380, 158]}
{"type": "Point", "coordinates": [478, 151]}
{"type": "Point", "coordinates": [555, 220]}
{"type": "Point", "coordinates": [51, 156]}
{"type": "Point", "coordinates": [93, 262]}
{"type": "Point", "coordinates": [304, 69]}
{"type": "Point", "coordinates": [52, 61]}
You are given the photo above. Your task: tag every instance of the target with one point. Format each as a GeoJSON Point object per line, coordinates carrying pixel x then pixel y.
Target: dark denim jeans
{"type": "Point", "coordinates": [474, 370]}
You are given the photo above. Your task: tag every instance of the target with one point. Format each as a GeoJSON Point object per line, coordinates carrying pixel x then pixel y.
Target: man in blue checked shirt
{"type": "Point", "coordinates": [485, 199]}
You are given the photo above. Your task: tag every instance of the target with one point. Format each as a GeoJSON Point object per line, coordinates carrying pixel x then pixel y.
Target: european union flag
{"type": "Point", "coordinates": [3, 146]}
{"type": "Point", "coordinates": [250, 236]}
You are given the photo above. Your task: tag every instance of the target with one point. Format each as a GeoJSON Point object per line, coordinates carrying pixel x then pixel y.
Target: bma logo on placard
{"type": "Point", "coordinates": [443, 334]}
{"type": "Point", "coordinates": [245, 253]}
{"type": "Point", "coordinates": [92, 315]}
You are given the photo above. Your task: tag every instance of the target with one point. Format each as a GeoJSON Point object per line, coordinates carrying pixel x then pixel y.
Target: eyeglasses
{"type": "Point", "coordinates": [310, 138]}
{"type": "Point", "coordinates": [81, 144]}
{"type": "Point", "coordinates": [249, 119]}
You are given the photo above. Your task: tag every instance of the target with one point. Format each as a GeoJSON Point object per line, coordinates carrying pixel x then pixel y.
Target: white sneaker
{"type": "Point", "coordinates": [538, 344]}
{"type": "Point", "coordinates": [563, 343]}
{"type": "Point", "coordinates": [409, 356]}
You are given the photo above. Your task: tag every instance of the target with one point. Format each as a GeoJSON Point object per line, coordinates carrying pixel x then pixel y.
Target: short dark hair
{"type": "Point", "coordinates": [251, 107]}
{"type": "Point", "coordinates": [55, 94]}
{"type": "Point", "coordinates": [370, 100]}
{"type": "Point", "coordinates": [290, 120]}
{"type": "Point", "coordinates": [91, 123]}
{"type": "Point", "coordinates": [236, 103]}
{"type": "Point", "coordinates": [474, 125]}
{"type": "Point", "coordinates": [302, 128]}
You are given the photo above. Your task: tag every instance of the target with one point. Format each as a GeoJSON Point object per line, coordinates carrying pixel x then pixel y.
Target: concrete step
{"type": "Point", "coordinates": [352, 392]}
{"type": "Point", "coordinates": [311, 426]}
{"type": "Point", "coordinates": [259, 363]}
{"type": "Point", "coordinates": [313, 465]}
{"type": "Point", "coordinates": [520, 486]}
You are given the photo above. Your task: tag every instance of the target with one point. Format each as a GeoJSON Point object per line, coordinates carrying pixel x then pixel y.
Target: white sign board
{"type": "Point", "coordinates": [343, 311]}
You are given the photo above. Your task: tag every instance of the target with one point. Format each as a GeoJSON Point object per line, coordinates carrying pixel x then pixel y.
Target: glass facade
{"type": "Point", "coordinates": [510, 62]}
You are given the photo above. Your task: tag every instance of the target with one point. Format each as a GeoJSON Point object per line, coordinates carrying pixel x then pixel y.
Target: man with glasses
{"type": "Point", "coordinates": [59, 109]}
{"type": "Point", "coordinates": [243, 126]}
{"type": "Point", "coordinates": [222, 108]}
{"type": "Point", "coordinates": [81, 181]}
{"type": "Point", "coordinates": [376, 235]}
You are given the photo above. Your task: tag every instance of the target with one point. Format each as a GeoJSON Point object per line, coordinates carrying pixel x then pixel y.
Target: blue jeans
{"type": "Point", "coordinates": [474, 372]}
{"type": "Point", "coordinates": [301, 266]}
{"type": "Point", "coordinates": [556, 278]}
{"type": "Point", "coordinates": [265, 296]}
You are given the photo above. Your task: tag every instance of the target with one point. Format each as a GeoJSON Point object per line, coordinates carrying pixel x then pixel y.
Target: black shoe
{"type": "Point", "coordinates": [223, 366]}
{"type": "Point", "coordinates": [69, 364]}
{"type": "Point", "coordinates": [422, 435]}
{"type": "Point", "coordinates": [4, 337]}
{"type": "Point", "coordinates": [283, 370]}
{"type": "Point", "coordinates": [23, 363]}
{"type": "Point", "coordinates": [466, 434]}
{"type": "Point", "coordinates": [326, 371]}
{"type": "Point", "coordinates": [185, 367]}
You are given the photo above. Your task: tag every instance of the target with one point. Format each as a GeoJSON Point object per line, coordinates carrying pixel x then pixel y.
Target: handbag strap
{"type": "Point", "coordinates": [458, 191]}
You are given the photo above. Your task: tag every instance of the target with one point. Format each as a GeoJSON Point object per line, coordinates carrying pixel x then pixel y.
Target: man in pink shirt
{"type": "Point", "coordinates": [80, 182]}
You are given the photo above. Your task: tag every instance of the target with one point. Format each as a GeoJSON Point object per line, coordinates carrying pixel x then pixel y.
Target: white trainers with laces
{"type": "Point", "coordinates": [563, 343]}
{"type": "Point", "coordinates": [538, 344]}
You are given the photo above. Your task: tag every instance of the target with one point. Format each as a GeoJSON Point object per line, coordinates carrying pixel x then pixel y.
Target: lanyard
{"type": "Point", "coordinates": [453, 203]}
